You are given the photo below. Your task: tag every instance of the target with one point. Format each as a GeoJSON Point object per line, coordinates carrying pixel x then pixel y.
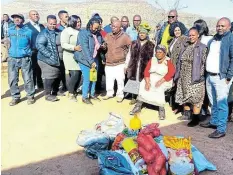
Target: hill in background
{"type": "Point", "coordinates": [105, 8]}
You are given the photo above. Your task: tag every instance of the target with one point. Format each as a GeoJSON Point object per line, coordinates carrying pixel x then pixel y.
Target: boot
{"type": "Point", "coordinates": [162, 115]}
{"type": "Point", "coordinates": [137, 108]}
{"type": "Point", "coordinates": [195, 120]}
{"type": "Point", "coordinates": [186, 115]}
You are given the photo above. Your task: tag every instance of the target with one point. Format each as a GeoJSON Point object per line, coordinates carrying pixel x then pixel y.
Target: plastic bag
{"type": "Point", "coordinates": [201, 163]}
{"type": "Point", "coordinates": [112, 126]}
{"type": "Point", "coordinates": [93, 75]}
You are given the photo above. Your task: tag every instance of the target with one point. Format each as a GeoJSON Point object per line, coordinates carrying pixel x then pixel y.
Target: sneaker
{"type": "Point", "coordinates": [31, 100]}
{"type": "Point", "coordinates": [14, 102]}
{"type": "Point", "coordinates": [107, 97]}
{"type": "Point", "coordinates": [94, 98]}
{"type": "Point", "coordinates": [87, 101]}
{"type": "Point", "coordinates": [137, 108]}
{"type": "Point", "coordinates": [216, 134]}
{"type": "Point", "coordinates": [120, 99]}
{"type": "Point", "coordinates": [51, 98]}
{"type": "Point", "coordinates": [72, 97]}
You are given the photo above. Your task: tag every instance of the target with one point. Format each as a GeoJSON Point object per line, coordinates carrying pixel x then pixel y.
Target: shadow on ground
{"type": "Point", "coordinates": [218, 151]}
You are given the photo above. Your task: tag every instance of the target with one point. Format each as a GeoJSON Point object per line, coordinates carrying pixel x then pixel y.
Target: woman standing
{"type": "Point", "coordinates": [177, 31]}
{"type": "Point", "coordinates": [157, 79]}
{"type": "Point", "coordinates": [203, 31]}
{"type": "Point", "coordinates": [90, 41]}
{"type": "Point", "coordinates": [177, 44]}
{"type": "Point", "coordinates": [191, 80]}
{"type": "Point", "coordinates": [141, 51]}
{"type": "Point", "coordinates": [47, 44]}
{"type": "Point", "coordinates": [69, 37]}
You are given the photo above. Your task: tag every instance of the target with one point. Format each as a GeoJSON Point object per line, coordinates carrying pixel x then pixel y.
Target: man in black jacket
{"type": "Point", "coordinates": [36, 27]}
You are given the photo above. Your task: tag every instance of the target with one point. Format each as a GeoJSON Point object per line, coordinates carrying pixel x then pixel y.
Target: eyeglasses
{"type": "Point", "coordinates": [124, 21]}
{"type": "Point", "coordinates": [171, 16]}
{"type": "Point", "coordinates": [136, 20]}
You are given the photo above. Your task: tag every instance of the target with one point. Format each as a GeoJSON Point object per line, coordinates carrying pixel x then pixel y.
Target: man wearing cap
{"type": "Point", "coordinates": [118, 44]}
{"type": "Point", "coordinates": [35, 27]}
{"type": "Point", "coordinates": [20, 52]}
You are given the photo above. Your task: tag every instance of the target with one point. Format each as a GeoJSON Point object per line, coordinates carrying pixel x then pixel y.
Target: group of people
{"type": "Point", "coordinates": [195, 67]}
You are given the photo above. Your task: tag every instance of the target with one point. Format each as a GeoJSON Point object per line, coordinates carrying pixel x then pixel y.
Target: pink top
{"type": "Point", "coordinates": [97, 46]}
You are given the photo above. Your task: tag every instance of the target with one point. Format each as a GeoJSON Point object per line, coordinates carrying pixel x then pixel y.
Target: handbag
{"type": "Point", "coordinates": [132, 87]}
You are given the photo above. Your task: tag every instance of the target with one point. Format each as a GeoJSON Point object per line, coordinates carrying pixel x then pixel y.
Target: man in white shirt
{"type": "Point", "coordinates": [35, 27]}
{"type": "Point", "coordinates": [219, 67]}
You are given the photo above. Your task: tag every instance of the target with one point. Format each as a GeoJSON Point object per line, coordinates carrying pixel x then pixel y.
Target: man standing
{"type": "Point", "coordinates": [124, 23]}
{"type": "Point", "coordinates": [35, 27]}
{"type": "Point", "coordinates": [219, 67]}
{"type": "Point", "coordinates": [133, 31]}
{"type": "Point", "coordinates": [20, 38]}
{"type": "Point", "coordinates": [118, 46]}
{"type": "Point", "coordinates": [108, 28]}
{"type": "Point", "coordinates": [5, 25]}
{"type": "Point", "coordinates": [63, 16]}
{"type": "Point", "coordinates": [164, 36]}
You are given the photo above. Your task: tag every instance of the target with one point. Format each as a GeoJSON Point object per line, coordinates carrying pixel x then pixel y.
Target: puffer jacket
{"type": "Point", "coordinates": [46, 44]}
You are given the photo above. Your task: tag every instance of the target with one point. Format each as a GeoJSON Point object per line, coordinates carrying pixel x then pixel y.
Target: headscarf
{"type": "Point", "coordinates": [144, 28]}
{"type": "Point", "coordinates": [161, 47]}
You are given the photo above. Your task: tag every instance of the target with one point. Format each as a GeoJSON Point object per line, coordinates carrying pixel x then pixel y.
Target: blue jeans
{"type": "Point", "coordinates": [87, 86]}
{"type": "Point", "coordinates": [14, 64]}
{"type": "Point", "coordinates": [218, 91]}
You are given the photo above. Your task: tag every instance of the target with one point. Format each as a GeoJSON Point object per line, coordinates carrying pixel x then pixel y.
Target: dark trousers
{"type": "Point", "coordinates": [51, 85]}
{"type": "Point", "coordinates": [100, 74]}
{"type": "Point", "coordinates": [63, 76]}
{"type": "Point", "coordinates": [74, 82]}
{"type": "Point", "coordinates": [36, 71]}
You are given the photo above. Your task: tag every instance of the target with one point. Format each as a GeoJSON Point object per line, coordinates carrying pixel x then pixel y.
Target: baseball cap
{"type": "Point", "coordinates": [18, 15]}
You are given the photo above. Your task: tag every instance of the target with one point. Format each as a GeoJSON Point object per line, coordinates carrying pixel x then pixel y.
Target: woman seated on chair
{"type": "Point", "coordinates": [157, 79]}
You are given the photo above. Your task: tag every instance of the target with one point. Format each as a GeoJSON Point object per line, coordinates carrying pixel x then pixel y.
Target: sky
{"type": "Point", "coordinates": [207, 8]}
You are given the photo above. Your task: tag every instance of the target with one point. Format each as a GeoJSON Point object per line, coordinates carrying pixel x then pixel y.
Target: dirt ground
{"type": "Point", "coordinates": [40, 139]}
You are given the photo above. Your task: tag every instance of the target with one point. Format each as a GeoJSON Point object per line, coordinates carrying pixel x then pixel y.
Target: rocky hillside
{"type": "Point", "coordinates": [105, 8]}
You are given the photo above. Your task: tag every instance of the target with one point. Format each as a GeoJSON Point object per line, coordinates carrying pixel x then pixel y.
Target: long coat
{"type": "Point", "coordinates": [139, 53]}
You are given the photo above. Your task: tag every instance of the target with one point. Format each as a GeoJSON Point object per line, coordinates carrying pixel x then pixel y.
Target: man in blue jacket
{"type": "Point", "coordinates": [219, 68]}
{"type": "Point", "coordinates": [20, 38]}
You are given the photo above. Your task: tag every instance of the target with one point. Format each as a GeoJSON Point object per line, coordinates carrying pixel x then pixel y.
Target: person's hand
{"type": "Point", "coordinates": [103, 46]}
{"type": "Point", "coordinates": [103, 63]}
{"type": "Point", "coordinates": [78, 48]}
{"type": "Point", "coordinates": [147, 86]}
{"type": "Point", "coordinates": [93, 65]}
{"type": "Point", "coordinates": [158, 84]}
